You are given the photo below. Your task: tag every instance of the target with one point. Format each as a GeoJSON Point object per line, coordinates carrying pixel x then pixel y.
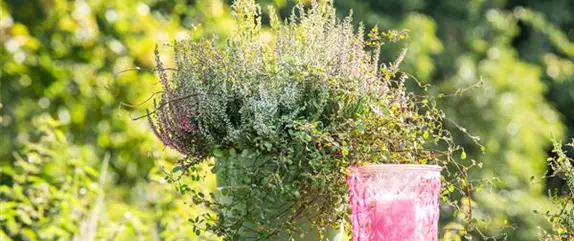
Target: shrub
{"type": "Point", "coordinates": [48, 191]}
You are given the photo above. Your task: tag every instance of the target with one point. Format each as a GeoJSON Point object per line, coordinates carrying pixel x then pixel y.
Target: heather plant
{"type": "Point", "coordinates": [279, 120]}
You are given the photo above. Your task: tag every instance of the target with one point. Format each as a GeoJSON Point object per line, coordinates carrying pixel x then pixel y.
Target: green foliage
{"type": "Point", "coordinates": [561, 218]}
{"type": "Point", "coordinates": [76, 61]}
{"type": "Point", "coordinates": [285, 117]}
{"type": "Point", "coordinates": [51, 190]}
{"type": "Point", "coordinates": [54, 193]}
{"type": "Point", "coordinates": [67, 66]}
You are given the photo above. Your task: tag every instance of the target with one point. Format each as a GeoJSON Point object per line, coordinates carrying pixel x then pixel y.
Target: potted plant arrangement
{"type": "Point", "coordinates": [286, 115]}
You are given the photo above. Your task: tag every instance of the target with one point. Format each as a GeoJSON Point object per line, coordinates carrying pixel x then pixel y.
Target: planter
{"type": "Point", "coordinates": [395, 202]}
{"type": "Point", "coordinates": [230, 174]}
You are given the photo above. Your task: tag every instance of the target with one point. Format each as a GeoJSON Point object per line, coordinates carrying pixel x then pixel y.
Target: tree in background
{"type": "Point", "coordinates": [62, 59]}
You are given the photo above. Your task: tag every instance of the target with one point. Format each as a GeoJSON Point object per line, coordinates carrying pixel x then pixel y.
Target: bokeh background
{"type": "Point", "coordinates": [75, 165]}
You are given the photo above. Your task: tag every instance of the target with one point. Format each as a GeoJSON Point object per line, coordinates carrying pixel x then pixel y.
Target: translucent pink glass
{"type": "Point", "coordinates": [395, 202]}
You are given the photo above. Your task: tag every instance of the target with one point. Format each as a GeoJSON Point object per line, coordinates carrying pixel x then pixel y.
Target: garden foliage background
{"type": "Point", "coordinates": [74, 165]}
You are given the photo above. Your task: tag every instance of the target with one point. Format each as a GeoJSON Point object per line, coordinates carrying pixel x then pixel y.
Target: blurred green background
{"type": "Point", "coordinates": [75, 166]}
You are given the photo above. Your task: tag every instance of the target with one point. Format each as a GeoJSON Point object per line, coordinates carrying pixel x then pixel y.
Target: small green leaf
{"type": "Point", "coordinates": [296, 193]}
{"type": "Point", "coordinates": [232, 152]}
{"type": "Point", "coordinates": [360, 127]}
{"type": "Point", "coordinates": [218, 153]}
{"type": "Point", "coordinates": [463, 155]}
{"type": "Point", "coordinates": [344, 151]}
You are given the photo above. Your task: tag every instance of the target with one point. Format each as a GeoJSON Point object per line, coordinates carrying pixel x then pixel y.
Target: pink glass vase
{"type": "Point", "coordinates": [395, 202]}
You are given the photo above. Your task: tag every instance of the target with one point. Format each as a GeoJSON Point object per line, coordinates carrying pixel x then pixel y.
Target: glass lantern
{"type": "Point", "coordinates": [395, 202]}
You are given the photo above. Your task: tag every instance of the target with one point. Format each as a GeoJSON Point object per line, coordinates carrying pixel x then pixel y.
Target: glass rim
{"type": "Point", "coordinates": [399, 167]}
